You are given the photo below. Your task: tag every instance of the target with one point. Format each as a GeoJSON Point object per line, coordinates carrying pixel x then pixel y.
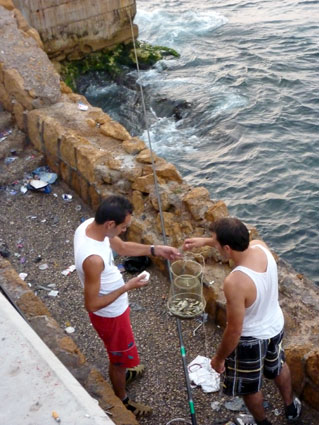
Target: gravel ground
{"type": "Point", "coordinates": [38, 229]}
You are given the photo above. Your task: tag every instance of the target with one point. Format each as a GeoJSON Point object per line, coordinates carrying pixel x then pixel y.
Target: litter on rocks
{"type": "Point", "coordinates": [66, 197]}
{"type": "Point", "coordinates": [82, 106]}
{"type": "Point", "coordinates": [23, 275]}
{"type": "Point", "coordinates": [10, 159]}
{"type": "Point", "coordinates": [203, 375]}
{"type": "Point", "coordinates": [44, 174]}
{"type": "Point", "coordinates": [4, 134]}
{"type": "Point", "coordinates": [215, 405]}
{"type": "Point", "coordinates": [53, 293]}
{"type": "Point", "coordinates": [43, 266]}
{"type": "Point", "coordinates": [69, 330]}
{"type": "Point", "coordinates": [236, 404]}
{"type": "Point", "coordinates": [69, 270]}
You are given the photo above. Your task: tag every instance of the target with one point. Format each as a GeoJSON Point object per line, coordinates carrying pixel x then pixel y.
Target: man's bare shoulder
{"type": "Point", "coordinates": [258, 242]}
{"type": "Point", "coordinates": [93, 261]}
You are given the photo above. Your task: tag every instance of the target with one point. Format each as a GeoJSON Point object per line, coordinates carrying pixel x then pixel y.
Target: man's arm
{"type": "Point", "coordinates": [93, 267]}
{"type": "Point", "coordinates": [191, 243]}
{"type": "Point", "coordinates": [235, 307]}
{"type": "Point", "coordinates": [138, 249]}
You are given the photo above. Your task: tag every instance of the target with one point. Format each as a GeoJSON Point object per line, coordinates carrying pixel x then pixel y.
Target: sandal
{"type": "Point", "coordinates": [134, 372]}
{"type": "Point", "coordinates": [138, 409]}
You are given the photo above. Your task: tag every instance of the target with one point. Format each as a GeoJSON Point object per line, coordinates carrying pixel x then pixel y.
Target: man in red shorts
{"type": "Point", "coordinates": [252, 341]}
{"type": "Point", "coordinates": [105, 293]}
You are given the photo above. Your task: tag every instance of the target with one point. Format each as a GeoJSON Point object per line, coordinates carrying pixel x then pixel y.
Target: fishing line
{"type": "Point", "coordinates": [179, 327]}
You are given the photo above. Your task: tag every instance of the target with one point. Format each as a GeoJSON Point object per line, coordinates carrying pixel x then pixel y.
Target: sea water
{"type": "Point", "coordinates": [238, 112]}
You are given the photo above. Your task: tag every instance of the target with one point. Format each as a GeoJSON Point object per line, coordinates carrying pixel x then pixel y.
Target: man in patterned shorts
{"type": "Point", "coordinates": [251, 345]}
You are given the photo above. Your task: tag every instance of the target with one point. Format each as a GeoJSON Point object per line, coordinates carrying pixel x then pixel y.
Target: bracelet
{"type": "Point", "coordinates": [153, 250]}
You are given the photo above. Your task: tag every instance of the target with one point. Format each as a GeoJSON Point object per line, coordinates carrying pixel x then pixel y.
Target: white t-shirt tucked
{"type": "Point", "coordinates": [111, 278]}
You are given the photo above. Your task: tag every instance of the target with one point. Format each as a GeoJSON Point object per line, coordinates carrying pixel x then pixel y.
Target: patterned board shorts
{"type": "Point", "coordinates": [118, 338]}
{"type": "Point", "coordinates": [252, 359]}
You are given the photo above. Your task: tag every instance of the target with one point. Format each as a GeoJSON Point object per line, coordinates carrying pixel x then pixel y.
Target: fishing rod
{"type": "Point", "coordinates": [179, 327]}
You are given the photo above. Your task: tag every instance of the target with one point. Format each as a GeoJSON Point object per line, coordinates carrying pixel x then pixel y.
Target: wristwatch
{"type": "Point", "coordinates": [153, 250]}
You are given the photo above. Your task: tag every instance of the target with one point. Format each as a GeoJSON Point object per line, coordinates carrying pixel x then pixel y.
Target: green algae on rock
{"type": "Point", "coordinates": [114, 61]}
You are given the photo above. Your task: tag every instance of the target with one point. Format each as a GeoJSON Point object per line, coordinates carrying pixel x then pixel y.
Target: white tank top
{"type": "Point", "coordinates": [111, 277]}
{"type": "Point", "coordinates": [264, 318]}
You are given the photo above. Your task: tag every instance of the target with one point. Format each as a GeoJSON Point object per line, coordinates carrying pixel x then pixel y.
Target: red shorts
{"type": "Point", "coordinates": [118, 338]}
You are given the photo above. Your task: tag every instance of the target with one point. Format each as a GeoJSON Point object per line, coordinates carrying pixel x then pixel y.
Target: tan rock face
{"type": "Point", "coordinates": [217, 211]}
{"type": "Point", "coordinates": [145, 156]}
{"type": "Point", "coordinates": [115, 130]}
{"type": "Point", "coordinates": [71, 29]}
{"type": "Point", "coordinates": [312, 367]}
{"type": "Point", "coordinates": [197, 202]}
{"type": "Point", "coordinates": [145, 184]}
{"type": "Point", "coordinates": [294, 357]}
{"type": "Point", "coordinates": [133, 146]}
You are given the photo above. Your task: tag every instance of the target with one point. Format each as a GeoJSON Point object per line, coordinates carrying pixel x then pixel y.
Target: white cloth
{"type": "Point", "coordinates": [202, 374]}
{"type": "Point", "coordinates": [264, 318]}
{"type": "Point", "coordinates": [111, 278]}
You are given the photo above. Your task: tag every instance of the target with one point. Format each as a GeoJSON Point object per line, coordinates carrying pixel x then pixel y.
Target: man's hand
{"type": "Point", "coordinates": [168, 252]}
{"type": "Point", "coordinates": [136, 282]}
{"type": "Point", "coordinates": [217, 364]}
{"type": "Point", "coordinates": [193, 243]}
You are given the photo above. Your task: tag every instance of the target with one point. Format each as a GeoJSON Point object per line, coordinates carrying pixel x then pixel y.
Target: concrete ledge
{"type": "Point", "coordinates": [50, 358]}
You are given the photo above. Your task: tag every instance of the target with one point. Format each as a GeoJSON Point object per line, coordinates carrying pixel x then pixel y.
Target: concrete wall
{"type": "Point", "coordinates": [73, 28]}
{"type": "Point", "coordinates": [97, 157]}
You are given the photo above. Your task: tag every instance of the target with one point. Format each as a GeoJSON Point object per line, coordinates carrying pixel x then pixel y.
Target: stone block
{"type": "Point", "coordinates": [132, 173]}
{"type": "Point", "coordinates": [312, 367]}
{"type": "Point", "coordinates": [68, 146]}
{"type": "Point", "coordinates": [52, 135]}
{"type": "Point", "coordinates": [67, 344]}
{"type": "Point", "coordinates": [32, 32]}
{"type": "Point", "coordinates": [171, 226]}
{"type": "Point", "coordinates": [164, 199]}
{"type": "Point", "coordinates": [35, 129]}
{"type": "Point", "coordinates": [5, 99]}
{"type": "Point", "coordinates": [7, 4]}
{"type": "Point", "coordinates": [221, 317]}
{"type": "Point", "coordinates": [168, 171]}
{"type": "Point", "coordinates": [87, 156]}
{"type": "Point", "coordinates": [217, 211]}
{"type": "Point", "coordinates": [53, 162]}
{"type": "Point", "coordinates": [65, 173]}
{"type": "Point", "coordinates": [145, 184]}
{"type": "Point", "coordinates": [138, 202]}
{"type": "Point", "coordinates": [30, 303]}
{"type": "Point", "coordinates": [145, 157]}
{"type": "Point", "coordinates": [133, 146]}
{"type": "Point", "coordinates": [94, 197]}
{"type": "Point", "coordinates": [14, 85]}
{"type": "Point", "coordinates": [18, 112]}
{"type": "Point", "coordinates": [197, 202]}
{"type": "Point", "coordinates": [135, 231]}
{"type": "Point", "coordinates": [295, 358]}
{"type": "Point", "coordinates": [115, 130]}
{"type": "Point", "coordinates": [210, 298]}
{"type": "Point", "coordinates": [311, 396]}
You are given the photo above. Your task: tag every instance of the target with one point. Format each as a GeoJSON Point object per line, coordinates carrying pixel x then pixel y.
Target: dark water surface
{"type": "Point", "coordinates": [239, 112]}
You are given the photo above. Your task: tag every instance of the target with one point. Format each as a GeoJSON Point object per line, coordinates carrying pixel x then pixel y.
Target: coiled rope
{"type": "Point", "coordinates": [179, 327]}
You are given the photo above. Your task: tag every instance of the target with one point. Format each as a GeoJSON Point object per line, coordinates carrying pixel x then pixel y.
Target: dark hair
{"type": "Point", "coordinates": [231, 231]}
{"type": "Point", "coordinates": [114, 208]}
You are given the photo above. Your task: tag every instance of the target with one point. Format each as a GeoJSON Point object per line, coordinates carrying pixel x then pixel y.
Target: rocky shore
{"type": "Point", "coordinates": [37, 230]}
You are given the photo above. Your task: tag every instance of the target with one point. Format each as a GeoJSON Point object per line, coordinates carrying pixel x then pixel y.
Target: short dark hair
{"type": "Point", "coordinates": [231, 231]}
{"type": "Point", "coordinates": [114, 208]}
